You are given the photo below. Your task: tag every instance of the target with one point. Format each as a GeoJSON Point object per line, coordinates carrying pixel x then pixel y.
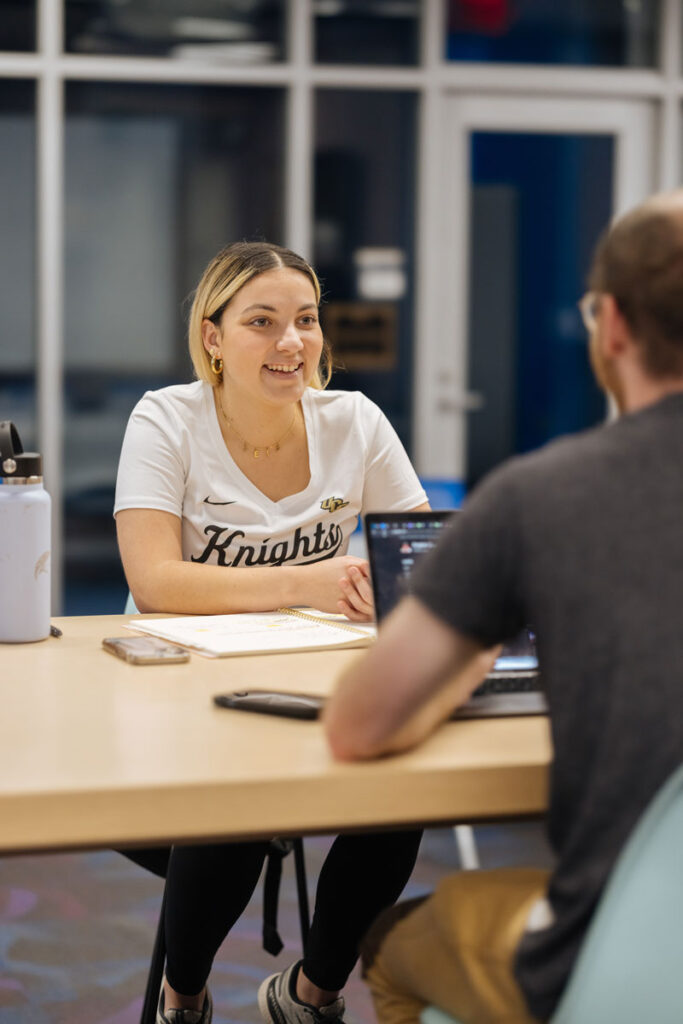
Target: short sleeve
{"type": "Point", "coordinates": [471, 578]}
{"type": "Point", "coordinates": [151, 472]}
{"type": "Point", "coordinates": [391, 483]}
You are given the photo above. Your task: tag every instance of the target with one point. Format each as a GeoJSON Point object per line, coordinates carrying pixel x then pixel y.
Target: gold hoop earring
{"type": "Point", "coordinates": [216, 365]}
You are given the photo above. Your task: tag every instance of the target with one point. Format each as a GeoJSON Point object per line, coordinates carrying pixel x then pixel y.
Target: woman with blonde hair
{"type": "Point", "coordinates": [255, 467]}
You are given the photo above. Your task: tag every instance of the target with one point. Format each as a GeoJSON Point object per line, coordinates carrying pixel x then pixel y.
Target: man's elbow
{"type": "Point", "coordinates": [347, 748]}
{"type": "Point", "coordinates": [350, 741]}
{"type": "Point", "coordinates": [341, 749]}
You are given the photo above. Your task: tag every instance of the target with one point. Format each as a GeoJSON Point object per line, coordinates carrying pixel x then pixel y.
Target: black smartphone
{"type": "Point", "coordinates": [269, 702]}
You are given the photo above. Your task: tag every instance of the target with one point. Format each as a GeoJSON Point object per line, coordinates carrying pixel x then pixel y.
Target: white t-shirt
{"type": "Point", "coordinates": [174, 459]}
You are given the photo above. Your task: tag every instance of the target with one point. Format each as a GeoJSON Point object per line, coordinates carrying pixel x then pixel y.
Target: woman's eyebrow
{"type": "Point", "coordinates": [272, 309]}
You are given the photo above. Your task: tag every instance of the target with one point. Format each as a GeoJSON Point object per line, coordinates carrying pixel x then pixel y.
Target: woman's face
{"type": "Point", "coordinates": [269, 337]}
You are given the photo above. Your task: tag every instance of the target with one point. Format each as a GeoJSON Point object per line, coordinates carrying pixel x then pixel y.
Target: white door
{"type": "Point", "coordinates": [467, 295]}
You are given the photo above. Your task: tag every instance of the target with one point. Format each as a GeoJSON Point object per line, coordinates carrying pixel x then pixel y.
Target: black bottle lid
{"type": "Point", "coordinates": [14, 461]}
{"type": "Point", "coordinates": [10, 442]}
{"type": "Point", "coordinates": [21, 466]}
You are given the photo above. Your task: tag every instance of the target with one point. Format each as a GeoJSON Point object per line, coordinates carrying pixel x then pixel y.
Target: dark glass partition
{"type": "Point", "coordinates": [158, 178]}
{"type": "Point", "coordinates": [223, 31]}
{"type": "Point", "coordinates": [18, 258]}
{"type": "Point", "coordinates": [17, 25]}
{"type": "Point", "coordinates": [363, 237]}
{"type": "Point", "coordinates": [538, 204]}
{"type": "Point", "coordinates": [610, 33]}
{"type": "Point", "coordinates": [366, 31]}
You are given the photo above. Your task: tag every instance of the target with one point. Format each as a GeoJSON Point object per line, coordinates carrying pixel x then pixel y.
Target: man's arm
{"type": "Point", "coordinates": [410, 680]}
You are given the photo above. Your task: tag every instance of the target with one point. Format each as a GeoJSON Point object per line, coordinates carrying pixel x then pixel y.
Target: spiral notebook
{"type": "Point", "coordinates": [287, 629]}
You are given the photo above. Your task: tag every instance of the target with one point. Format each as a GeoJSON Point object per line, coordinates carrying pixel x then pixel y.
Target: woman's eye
{"type": "Point", "coordinates": [308, 321]}
{"type": "Point", "coordinates": [259, 321]}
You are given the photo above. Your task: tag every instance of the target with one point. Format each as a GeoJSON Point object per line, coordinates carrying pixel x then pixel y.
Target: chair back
{"type": "Point", "coordinates": [630, 967]}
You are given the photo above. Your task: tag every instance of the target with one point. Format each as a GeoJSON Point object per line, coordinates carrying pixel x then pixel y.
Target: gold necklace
{"type": "Point", "coordinates": [256, 449]}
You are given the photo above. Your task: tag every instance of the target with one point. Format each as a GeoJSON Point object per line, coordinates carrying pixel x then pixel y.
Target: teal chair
{"type": "Point", "coordinates": [630, 968]}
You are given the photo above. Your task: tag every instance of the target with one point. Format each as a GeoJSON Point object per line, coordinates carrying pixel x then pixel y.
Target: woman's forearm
{"type": "Point", "coordinates": [172, 585]}
{"type": "Point", "coordinates": [189, 588]}
{"type": "Point", "coordinates": [161, 581]}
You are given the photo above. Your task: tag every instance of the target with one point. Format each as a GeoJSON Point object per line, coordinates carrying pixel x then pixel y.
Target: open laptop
{"type": "Point", "coordinates": [396, 541]}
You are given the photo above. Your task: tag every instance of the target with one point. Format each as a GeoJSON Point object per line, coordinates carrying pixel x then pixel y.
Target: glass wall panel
{"type": "Point", "coordinates": [619, 33]}
{"type": "Point", "coordinates": [366, 31]}
{"type": "Point", "coordinates": [157, 180]}
{"type": "Point", "coordinates": [363, 241]}
{"type": "Point", "coordinates": [225, 31]}
{"type": "Point", "coordinates": [538, 205]}
{"type": "Point", "coordinates": [18, 25]}
{"type": "Point", "coordinates": [17, 258]}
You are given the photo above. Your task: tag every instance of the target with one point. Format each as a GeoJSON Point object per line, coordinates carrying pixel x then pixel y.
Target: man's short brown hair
{"type": "Point", "coordinates": [639, 261]}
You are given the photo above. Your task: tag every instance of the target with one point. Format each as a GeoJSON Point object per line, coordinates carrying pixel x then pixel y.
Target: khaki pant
{"type": "Point", "coordinates": [454, 949]}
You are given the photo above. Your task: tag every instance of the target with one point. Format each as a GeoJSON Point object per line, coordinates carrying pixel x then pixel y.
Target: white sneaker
{"type": "Point", "coordinates": [278, 1003]}
{"type": "Point", "coordinates": [202, 1016]}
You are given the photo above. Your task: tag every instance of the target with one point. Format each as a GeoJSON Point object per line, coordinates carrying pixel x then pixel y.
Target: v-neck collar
{"type": "Point", "coordinates": [310, 425]}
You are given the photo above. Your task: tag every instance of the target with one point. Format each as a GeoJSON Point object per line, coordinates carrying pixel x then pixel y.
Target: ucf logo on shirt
{"type": "Point", "coordinates": [333, 504]}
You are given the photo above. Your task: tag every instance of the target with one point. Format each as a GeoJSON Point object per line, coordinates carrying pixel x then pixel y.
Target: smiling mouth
{"type": "Point", "coordinates": [285, 369]}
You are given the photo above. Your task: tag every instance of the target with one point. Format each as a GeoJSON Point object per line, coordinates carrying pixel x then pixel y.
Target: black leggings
{"type": "Point", "coordinates": [208, 887]}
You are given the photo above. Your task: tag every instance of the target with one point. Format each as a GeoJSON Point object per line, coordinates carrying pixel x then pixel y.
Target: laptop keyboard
{"type": "Point", "coordinates": [511, 682]}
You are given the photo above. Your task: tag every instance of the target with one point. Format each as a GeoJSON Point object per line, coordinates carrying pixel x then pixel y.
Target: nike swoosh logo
{"type": "Point", "coordinates": [207, 501]}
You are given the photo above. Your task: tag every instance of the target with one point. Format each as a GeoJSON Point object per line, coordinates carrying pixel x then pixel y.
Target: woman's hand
{"type": "Point", "coordinates": [339, 585]}
{"type": "Point", "coordinates": [357, 602]}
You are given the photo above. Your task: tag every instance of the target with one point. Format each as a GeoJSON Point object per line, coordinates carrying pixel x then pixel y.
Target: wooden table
{"type": "Point", "coordinates": [95, 752]}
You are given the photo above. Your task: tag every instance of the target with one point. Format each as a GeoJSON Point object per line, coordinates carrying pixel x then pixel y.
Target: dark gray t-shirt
{"type": "Point", "coordinates": [584, 541]}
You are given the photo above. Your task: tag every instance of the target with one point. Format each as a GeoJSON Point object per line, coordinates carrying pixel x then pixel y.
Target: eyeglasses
{"type": "Point", "coordinates": [589, 307]}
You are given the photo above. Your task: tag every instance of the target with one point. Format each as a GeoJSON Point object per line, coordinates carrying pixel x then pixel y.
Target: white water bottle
{"type": "Point", "coordinates": [24, 542]}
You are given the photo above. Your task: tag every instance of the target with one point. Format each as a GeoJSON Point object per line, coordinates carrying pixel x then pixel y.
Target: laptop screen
{"type": "Point", "coordinates": [396, 541]}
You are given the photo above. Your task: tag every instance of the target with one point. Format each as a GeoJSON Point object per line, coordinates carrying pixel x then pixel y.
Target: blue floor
{"type": "Point", "coordinates": [76, 930]}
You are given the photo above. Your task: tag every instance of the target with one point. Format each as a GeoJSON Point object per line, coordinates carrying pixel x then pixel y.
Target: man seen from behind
{"type": "Point", "coordinates": [584, 540]}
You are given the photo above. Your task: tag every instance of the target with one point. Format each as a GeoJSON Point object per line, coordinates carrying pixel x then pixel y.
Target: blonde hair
{"type": "Point", "coordinates": [228, 271]}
